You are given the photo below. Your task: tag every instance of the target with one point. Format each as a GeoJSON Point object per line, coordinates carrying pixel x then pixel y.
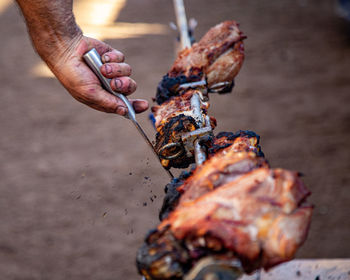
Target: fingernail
{"type": "Point", "coordinates": [118, 84]}
{"type": "Point", "coordinates": [106, 58]}
{"type": "Point", "coordinates": [138, 106]}
{"type": "Point", "coordinates": [108, 69]}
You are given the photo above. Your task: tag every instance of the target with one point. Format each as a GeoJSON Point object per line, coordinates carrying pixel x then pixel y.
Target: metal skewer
{"type": "Point", "coordinates": [93, 60]}
{"type": "Point", "coordinates": [181, 20]}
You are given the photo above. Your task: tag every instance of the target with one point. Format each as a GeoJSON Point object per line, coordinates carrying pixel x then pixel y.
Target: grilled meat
{"type": "Point", "coordinates": [243, 140]}
{"type": "Point", "coordinates": [173, 119]}
{"type": "Point", "coordinates": [171, 109]}
{"type": "Point", "coordinates": [172, 195]}
{"type": "Point", "coordinates": [232, 207]}
{"type": "Point", "coordinates": [170, 86]}
{"type": "Point", "coordinates": [259, 216]}
{"type": "Point", "coordinates": [216, 58]}
{"type": "Point", "coordinates": [239, 158]}
{"type": "Point", "coordinates": [213, 173]}
{"type": "Point", "coordinates": [176, 106]}
{"type": "Point", "coordinates": [170, 134]}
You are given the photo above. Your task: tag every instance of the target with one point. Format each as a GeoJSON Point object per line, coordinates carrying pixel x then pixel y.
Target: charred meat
{"type": "Point", "coordinates": [218, 56]}
{"type": "Point", "coordinates": [215, 59]}
{"type": "Point", "coordinates": [232, 207]}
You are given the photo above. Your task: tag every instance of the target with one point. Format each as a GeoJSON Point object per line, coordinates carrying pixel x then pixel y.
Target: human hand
{"type": "Point", "coordinates": [71, 70]}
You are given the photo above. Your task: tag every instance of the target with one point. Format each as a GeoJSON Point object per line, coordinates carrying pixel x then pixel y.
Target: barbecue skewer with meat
{"type": "Point", "coordinates": [215, 60]}
{"type": "Point", "coordinates": [233, 210]}
{"type": "Point", "coordinates": [233, 207]}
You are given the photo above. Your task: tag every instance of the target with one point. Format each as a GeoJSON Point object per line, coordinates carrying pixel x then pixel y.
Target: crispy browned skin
{"type": "Point", "coordinates": [174, 118]}
{"type": "Point", "coordinates": [227, 165]}
{"type": "Point", "coordinates": [171, 133]}
{"type": "Point", "coordinates": [174, 107]}
{"type": "Point", "coordinates": [214, 172]}
{"type": "Point", "coordinates": [258, 216]}
{"type": "Point", "coordinates": [233, 206]}
{"type": "Point", "coordinates": [218, 55]}
{"type": "Point", "coordinates": [242, 140]}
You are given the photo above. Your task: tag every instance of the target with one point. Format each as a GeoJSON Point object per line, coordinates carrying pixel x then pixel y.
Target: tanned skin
{"type": "Point", "coordinates": [61, 44]}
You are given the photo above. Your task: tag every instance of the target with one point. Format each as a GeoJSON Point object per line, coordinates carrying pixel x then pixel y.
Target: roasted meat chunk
{"type": "Point", "coordinates": [215, 59]}
{"type": "Point", "coordinates": [176, 106]}
{"type": "Point", "coordinates": [244, 155]}
{"type": "Point", "coordinates": [235, 207]}
{"type": "Point", "coordinates": [218, 55]}
{"type": "Point", "coordinates": [259, 216]}
{"type": "Point", "coordinates": [173, 119]}
{"type": "Point", "coordinates": [242, 140]}
{"type": "Point", "coordinates": [225, 167]}
{"type": "Point", "coordinates": [231, 211]}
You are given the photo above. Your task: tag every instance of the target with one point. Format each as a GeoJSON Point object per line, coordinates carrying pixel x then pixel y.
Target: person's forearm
{"type": "Point", "coordinates": [51, 26]}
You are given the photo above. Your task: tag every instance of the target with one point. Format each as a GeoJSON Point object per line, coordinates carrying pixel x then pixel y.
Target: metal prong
{"type": "Point", "coordinates": [193, 84]}
{"type": "Point", "coordinates": [219, 86]}
{"type": "Point", "coordinates": [173, 26]}
{"type": "Point", "coordinates": [199, 152]}
{"type": "Point", "coordinates": [258, 274]}
{"type": "Point", "coordinates": [222, 87]}
{"type": "Point", "coordinates": [192, 24]}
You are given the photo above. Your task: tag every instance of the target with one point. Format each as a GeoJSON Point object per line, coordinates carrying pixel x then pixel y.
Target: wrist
{"type": "Point", "coordinates": [51, 25]}
{"type": "Point", "coordinates": [54, 42]}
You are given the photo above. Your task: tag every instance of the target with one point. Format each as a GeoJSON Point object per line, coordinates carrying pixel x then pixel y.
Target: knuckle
{"type": "Point", "coordinates": [131, 86]}
{"type": "Point", "coordinates": [120, 56]}
{"type": "Point", "coordinates": [124, 84]}
{"type": "Point", "coordinates": [128, 70]}
{"type": "Point", "coordinates": [108, 69]}
{"type": "Point", "coordinates": [124, 69]}
{"type": "Point", "coordinates": [117, 69]}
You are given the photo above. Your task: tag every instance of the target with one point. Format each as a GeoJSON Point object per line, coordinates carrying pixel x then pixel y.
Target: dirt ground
{"type": "Point", "coordinates": [76, 184]}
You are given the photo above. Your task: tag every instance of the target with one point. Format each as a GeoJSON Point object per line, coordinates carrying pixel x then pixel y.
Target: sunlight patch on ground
{"type": "Point", "coordinates": [41, 70]}
{"type": "Point", "coordinates": [4, 5]}
{"type": "Point", "coordinates": [97, 12]}
{"type": "Point", "coordinates": [123, 30]}
{"type": "Point", "coordinates": [97, 19]}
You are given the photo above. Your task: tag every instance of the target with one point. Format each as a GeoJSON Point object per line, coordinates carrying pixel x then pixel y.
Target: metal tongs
{"type": "Point", "coordinates": [93, 60]}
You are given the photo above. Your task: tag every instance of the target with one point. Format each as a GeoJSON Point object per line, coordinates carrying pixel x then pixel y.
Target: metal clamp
{"type": "Point", "coordinates": [189, 138]}
{"type": "Point", "coordinates": [210, 268]}
{"type": "Point", "coordinates": [179, 150]}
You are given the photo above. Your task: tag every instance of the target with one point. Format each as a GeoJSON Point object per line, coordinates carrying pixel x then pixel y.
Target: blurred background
{"type": "Point", "coordinates": [79, 189]}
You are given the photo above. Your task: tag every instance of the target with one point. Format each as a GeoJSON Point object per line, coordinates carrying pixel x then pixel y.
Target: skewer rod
{"type": "Point", "coordinates": [181, 21]}
{"type": "Point", "coordinates": [199, 153]}
{"type": "Point", "coordinates": [182, 26]}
